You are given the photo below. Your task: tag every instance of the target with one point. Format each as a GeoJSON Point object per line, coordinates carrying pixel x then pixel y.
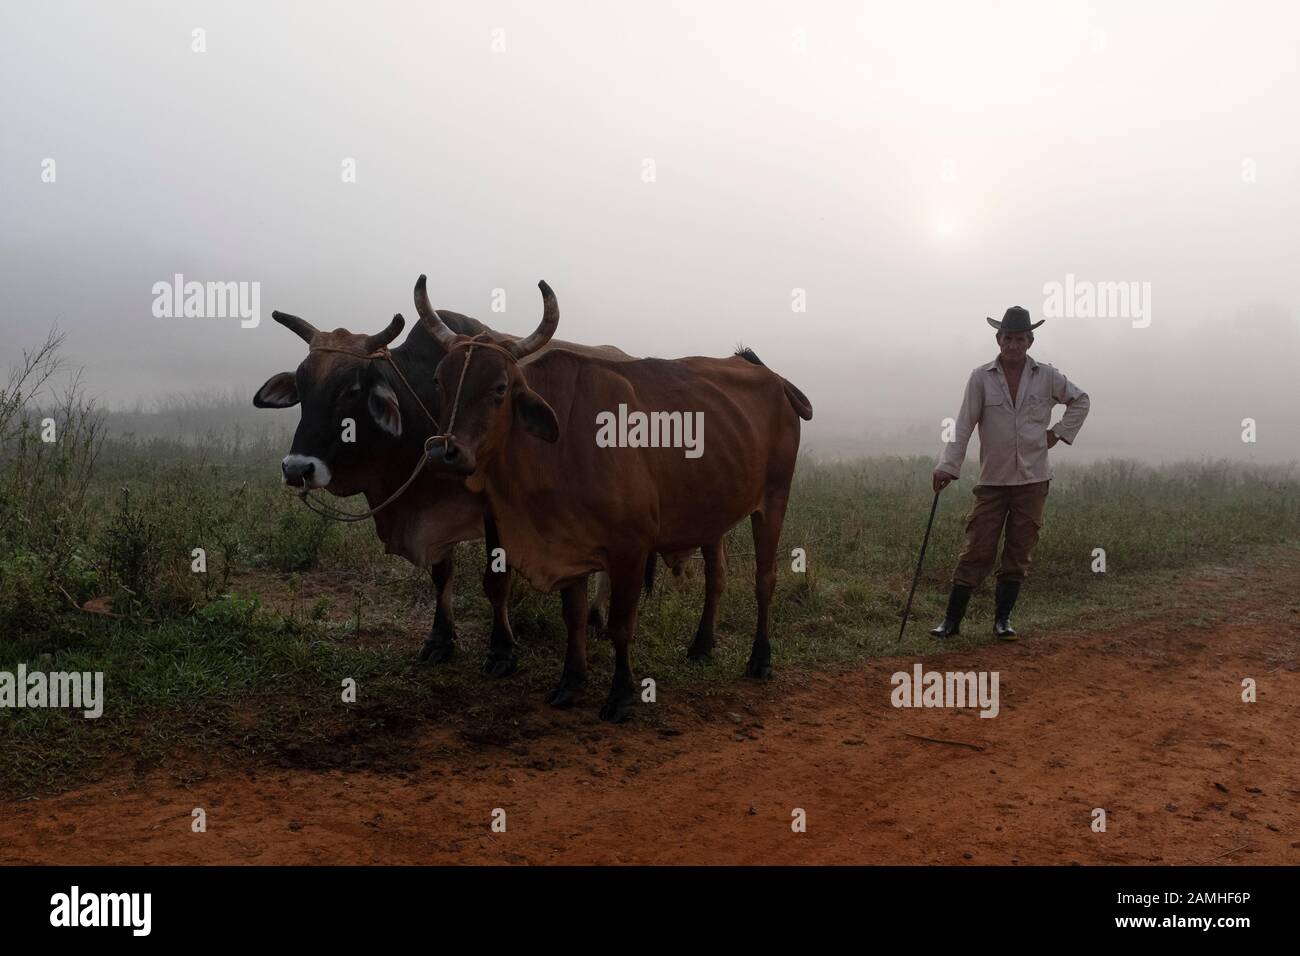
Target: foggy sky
{"type": "Point", "coordinates": [913, 168]}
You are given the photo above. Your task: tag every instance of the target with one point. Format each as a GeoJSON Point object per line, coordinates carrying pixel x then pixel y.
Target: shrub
{"type": "Point", "coordinates": [298, 540]}
{"type": "Point", "coordinates": [132, 548]}
{"type": "Point", "coordinates": [230, 610]}
{"type": "Point", "coordinates": [44, 523]}
{"type": "Point", "coordinates": [28, 605]}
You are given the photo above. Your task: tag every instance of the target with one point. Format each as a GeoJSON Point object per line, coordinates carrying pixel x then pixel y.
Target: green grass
{"type": "Point", "coordinates": [201, 663]}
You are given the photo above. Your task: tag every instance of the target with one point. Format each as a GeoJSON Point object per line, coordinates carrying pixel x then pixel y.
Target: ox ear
{"type": "Point", "coordinates": [280, 391]}
{"type": "Point", "coordinates": [536, 416]}
{"type": "Point", "coordinates": [385, 409]}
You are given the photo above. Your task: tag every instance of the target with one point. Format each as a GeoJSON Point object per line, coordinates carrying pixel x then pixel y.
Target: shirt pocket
{"type": "Point", "coordinates": [1038, 408]}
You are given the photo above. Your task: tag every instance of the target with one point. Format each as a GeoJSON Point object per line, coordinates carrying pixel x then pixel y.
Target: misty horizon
{"type": "Point", "coordinates": [686, 180]}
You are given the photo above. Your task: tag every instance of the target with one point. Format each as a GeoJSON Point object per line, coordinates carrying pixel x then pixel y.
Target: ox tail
{"type": "Point", "coordinates": [651, 564]}
{"type": "Point", "coordinates": [798, 400]}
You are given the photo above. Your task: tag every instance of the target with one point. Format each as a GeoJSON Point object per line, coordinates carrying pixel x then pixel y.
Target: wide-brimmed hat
{"type": "Point", "coordinates": [1016, 319]}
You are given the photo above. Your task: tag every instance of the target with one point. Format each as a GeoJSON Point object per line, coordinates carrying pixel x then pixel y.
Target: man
{"type": "Point", "coordinates": [1011, 400]}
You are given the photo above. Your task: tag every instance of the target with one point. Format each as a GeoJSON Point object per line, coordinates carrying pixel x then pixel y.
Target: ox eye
{"type": "Point", "coordinates": [500, 390]}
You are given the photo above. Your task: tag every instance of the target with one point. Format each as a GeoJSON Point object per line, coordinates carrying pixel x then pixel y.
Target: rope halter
{"type": "Point", "coordinates": [338, 514]}
{"type": "Point", "coordinates": [481, 340]}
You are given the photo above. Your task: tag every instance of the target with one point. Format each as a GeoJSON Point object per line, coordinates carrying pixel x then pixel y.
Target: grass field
{"type": "Point", "coordinates": [249, 657]}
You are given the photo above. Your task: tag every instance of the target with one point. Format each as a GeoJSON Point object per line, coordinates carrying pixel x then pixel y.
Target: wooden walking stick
{"type": "Point", "coordinates": [921, 560]}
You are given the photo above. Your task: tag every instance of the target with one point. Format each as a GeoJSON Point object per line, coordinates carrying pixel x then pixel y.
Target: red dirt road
{"type": "Point", "coordinates": [1146, 722]}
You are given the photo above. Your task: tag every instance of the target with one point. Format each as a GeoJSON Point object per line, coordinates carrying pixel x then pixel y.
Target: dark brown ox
{"type": "Point", "coordinates": [526, 437]}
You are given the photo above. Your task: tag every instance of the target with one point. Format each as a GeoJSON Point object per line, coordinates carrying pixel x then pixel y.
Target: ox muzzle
{"type": "Point", "coordinates": [447, 454]}
{"type": "Point", "coordinates": [304, 471]}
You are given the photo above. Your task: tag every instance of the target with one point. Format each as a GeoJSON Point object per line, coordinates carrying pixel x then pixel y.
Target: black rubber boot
{"type": "Point", "coordinates": [1004, 600]}
{"type": "Point", "coordinates": [957, 601]}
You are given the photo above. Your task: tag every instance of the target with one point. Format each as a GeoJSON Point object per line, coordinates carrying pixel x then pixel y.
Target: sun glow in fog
{"type": "Point", "coordinates": [946, 229]}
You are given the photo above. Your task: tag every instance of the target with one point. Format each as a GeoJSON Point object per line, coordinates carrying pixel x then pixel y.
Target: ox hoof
{"type": "Point", "coordinates": [758, 670]}
{"type": "Point", "coordinates": [562, 697]}
{"type": "Point", "coordinates": [436, 652]}
{"type": "Point", "coordinates": [618, 707]}
{"type": "Point", "coordinates": [699, 650]}
{"type": "Point", "coordinates": [566, 691]}
{"type": "Point", "coordinates": [499, 665]}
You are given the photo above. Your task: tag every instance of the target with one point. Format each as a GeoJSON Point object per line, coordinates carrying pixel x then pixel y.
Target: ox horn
{"type": "Point", "coordinates": [550, 322]}
{"type": "Point", "coordinates": [376, 342]}
{"type": "Point", "coordinates": [432, 321]}
{"type": "Point", "coordinates": [299, 327]}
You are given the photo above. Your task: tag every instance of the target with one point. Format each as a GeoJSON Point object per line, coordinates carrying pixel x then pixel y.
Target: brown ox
{"type": "Point", "coordinates": [526, 437]}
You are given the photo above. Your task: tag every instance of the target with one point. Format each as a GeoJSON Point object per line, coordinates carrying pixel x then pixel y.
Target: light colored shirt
{"type": "Point", "coordinates": [1013, 436]}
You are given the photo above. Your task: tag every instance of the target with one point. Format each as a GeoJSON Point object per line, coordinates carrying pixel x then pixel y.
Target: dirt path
{"type": "Point", "coordinates": [1146, 722]}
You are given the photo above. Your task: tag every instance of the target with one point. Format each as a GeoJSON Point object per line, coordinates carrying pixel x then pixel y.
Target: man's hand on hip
{"type": "Point", "coordinates": [940, 480]}
{"type": "Point", "coordinates": [1052, 438]}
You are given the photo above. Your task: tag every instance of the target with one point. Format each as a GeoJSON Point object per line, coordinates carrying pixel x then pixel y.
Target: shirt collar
{"type": "Point", "coordinates": [1029, 364]}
